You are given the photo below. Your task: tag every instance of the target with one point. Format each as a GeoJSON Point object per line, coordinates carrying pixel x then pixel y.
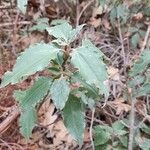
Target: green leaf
{"type": "Point", "coordinates": [64, 32]}
{"type": "Point", "coordinates": [124, 140]}
{"type": "Point", "coordinates": [19, 95]}
{"type": "Point", "coordinates": [22, 5]}
{"type": "Point", "coordinates": [103, 147]}
{"type": "Point", "coordinates": [36, 93]}
{"type": "Point", "coordinates": [118, 128]}
{"type": "Point", "coordinates": [60, 92]}
{"type": "Point", "coordinates": [58, 22]}
{"type": "Point", "coordinates": [135, 40]}
{"type": "Point", "coordinates": [139, 79]}
{"type": "Point", "coordinates": [92, 90]}
{"type": "Point", "coordinates": [102, 134]}
{"type": "Point", "coordinates": [122, 12]}
{"type": "Point", "coordinates": [88, 101]}
{"type": "Point", "coordinates": [145, 128]}
{"type": "Point", "coordinates": [42, 24]}
{"type": "Point", "coordinates": [140, 65]}
{"type": "Point", "coordinates": [91, 66]}
{"type": "Point", "coordinates": [74, 118]}
{"type": "Point", "coordinates": [27, 122]}
{"type": "Point", "coordinates": [34, 59]}
{"type": "Point", "coordinates": [143, 143]}
{"type": "Point", "coordinates": [143, 90]}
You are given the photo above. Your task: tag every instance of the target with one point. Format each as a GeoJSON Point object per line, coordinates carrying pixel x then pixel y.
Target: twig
{"type": "Point", "coordinates": [6, 144]}
{"type": "Point", "coordinates": [11, 117]}
{"type": "Point", "coordinates": [66, 4]}
{"type": "Point", "coordinates": [132, 118]}
{"type": "Point", "coordinates": [14, 34]}
{"type": "Point", "coordinates": [82, 11]}
{"type": "Point", "coordinates": [12, 24]}
{"type": "Point", "coordinates": [145, 39]}
{"type": "Point", "coordinates": [122, 47]}
{"type": "Point", "coordinates": [133, 100]}
{"type": "Point", "coordinates": [91, 128]}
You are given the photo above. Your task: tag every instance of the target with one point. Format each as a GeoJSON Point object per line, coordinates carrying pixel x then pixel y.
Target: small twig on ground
{"type": "Point", "coordinates": [11, 117]}
{"type": "Point", "coordinates": [133, 100]}
{"type": "Point", "coordinates": [12, 24]}
{"type": "Point", "coordinates": [14, 40]}
{"type": "Point", "coordinates": [5, 144]}
{"type": "Point", "coordinates": [145, 39]}
{"type": "Point", "coordinates": [82, 11]}
{"type": "Point", "coordinates": [67, 6]}
{"type": "Point", "coordinates": [132, 118]}
{"type": "Point", "coordinates": [91, 128]}
{"type": "Point", "coordinates": [122, 47]}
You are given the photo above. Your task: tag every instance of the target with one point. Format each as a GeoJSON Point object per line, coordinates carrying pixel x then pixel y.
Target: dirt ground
{"type": "Point", "coordinates": [15, 37]}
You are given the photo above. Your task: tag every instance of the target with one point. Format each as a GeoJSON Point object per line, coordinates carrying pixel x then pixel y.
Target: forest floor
{"type": "Point", "coordinates": [15, 37]}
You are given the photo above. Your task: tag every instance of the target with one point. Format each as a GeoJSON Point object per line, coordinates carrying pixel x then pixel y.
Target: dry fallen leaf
{"type": "Point", "coordinates": [1, 71]}
{"type": "Point", "coordinates": [95, 20]}
{"type": "Point", "coordinates": [113, 73]}
{"type": "Point", "coordinates": [106, 24]}
{"type": "Point", "coordinates": [50, 117]}
{"type": "Point", "coordinates": [138, 16]}
{"type": "Point", "coordinates": [120, 106]}
{"type": "Point", "coordinates": [29, 40]}
{"type": "Point", "coordinates": [57, 130]}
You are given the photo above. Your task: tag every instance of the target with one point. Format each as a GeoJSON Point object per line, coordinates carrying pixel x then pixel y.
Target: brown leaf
{"type": "Point", "coordinates": [49, 117]}
{"type": "Point", "coordinates": [106, 24]}
{"type": "Point", "coordinates": [120, 106]}
{"type": "Point", "coordinates": [138, 16]}
{"type": "Point", "coordinates": [86, 136]}
{"type": "Point", "coordinates": [1, 71]}
{"type": "Point", "coordinates": [95, 20]}
{"type": "Point", "coordinates": [113, 73]}
{"type": "Point", "coordinates": [29, 40]}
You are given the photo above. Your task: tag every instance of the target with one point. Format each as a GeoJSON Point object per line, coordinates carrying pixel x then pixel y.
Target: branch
{"type": "Point", "coordinates": [14, 113]}
{"type": "Point", "coordinates": [91, 128]}
{"type": "Point", "coordinates": [12, 24]}
{"type": "Point", "coordinates": [132, 119]}
{"type": "Point", "coordinates": [145, 39]}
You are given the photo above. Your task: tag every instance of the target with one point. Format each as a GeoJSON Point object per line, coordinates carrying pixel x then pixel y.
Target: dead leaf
{"type": "Point", "coordinates": [95, 20]}
{"type": "Point", "coordinates": [86, 136]}
{"type": "Point", "coordinates": [1, 71]}
{"type": "Point", "coordinates": [29, 40]}
{"type": "Point", "coordinates": [120, 106]}
{"type": "Point", "coordinates": [106, 24]}
{"type": "Point", "coordinates": [48, 109]}
{"type": "Point", "coordinates": [113, 73]}
{"type": "Point", "coordinates": [138, 16]}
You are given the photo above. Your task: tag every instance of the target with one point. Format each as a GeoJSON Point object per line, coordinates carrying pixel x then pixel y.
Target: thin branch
{"type": "Point", "coordinates": [145, 39]}
{"type": "Point", "coordinates": [14, 40]}
{"type": "Point", "coordinates": [82, 11]}
{"type": "Point", "coordinates": [11, 117]}
{"type": "Point", "coordinates": [12, 24]}
{"type": "Point", "coordinates": [132, 119]}
{"type": "Point", "coordinates": [91, 128]}
{"type": "Point", "coordinates": [122, 47]}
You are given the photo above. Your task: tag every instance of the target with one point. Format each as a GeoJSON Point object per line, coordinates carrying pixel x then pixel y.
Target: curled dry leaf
{"type": "Point", "coordinates": [58, 131]}
{"type": "Point", "coordinates": [48, 114]}
{"type": "Point", "coordinates": [1, 71]}
{"type": "Point", "coordinates": [95, 20]}
{"type": "Point", "coordinates": [29, 40]}
{"type": "Point", "coordinates": [75, 85]}
{"type": "Point", "coordinates": [138, 16]}
{"type": "Point", "coordinates": [120, 106]}
{"type": "Point", "coordinates": [113, 73]}
{"type": "Point", "coordinates": [106, 24]}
